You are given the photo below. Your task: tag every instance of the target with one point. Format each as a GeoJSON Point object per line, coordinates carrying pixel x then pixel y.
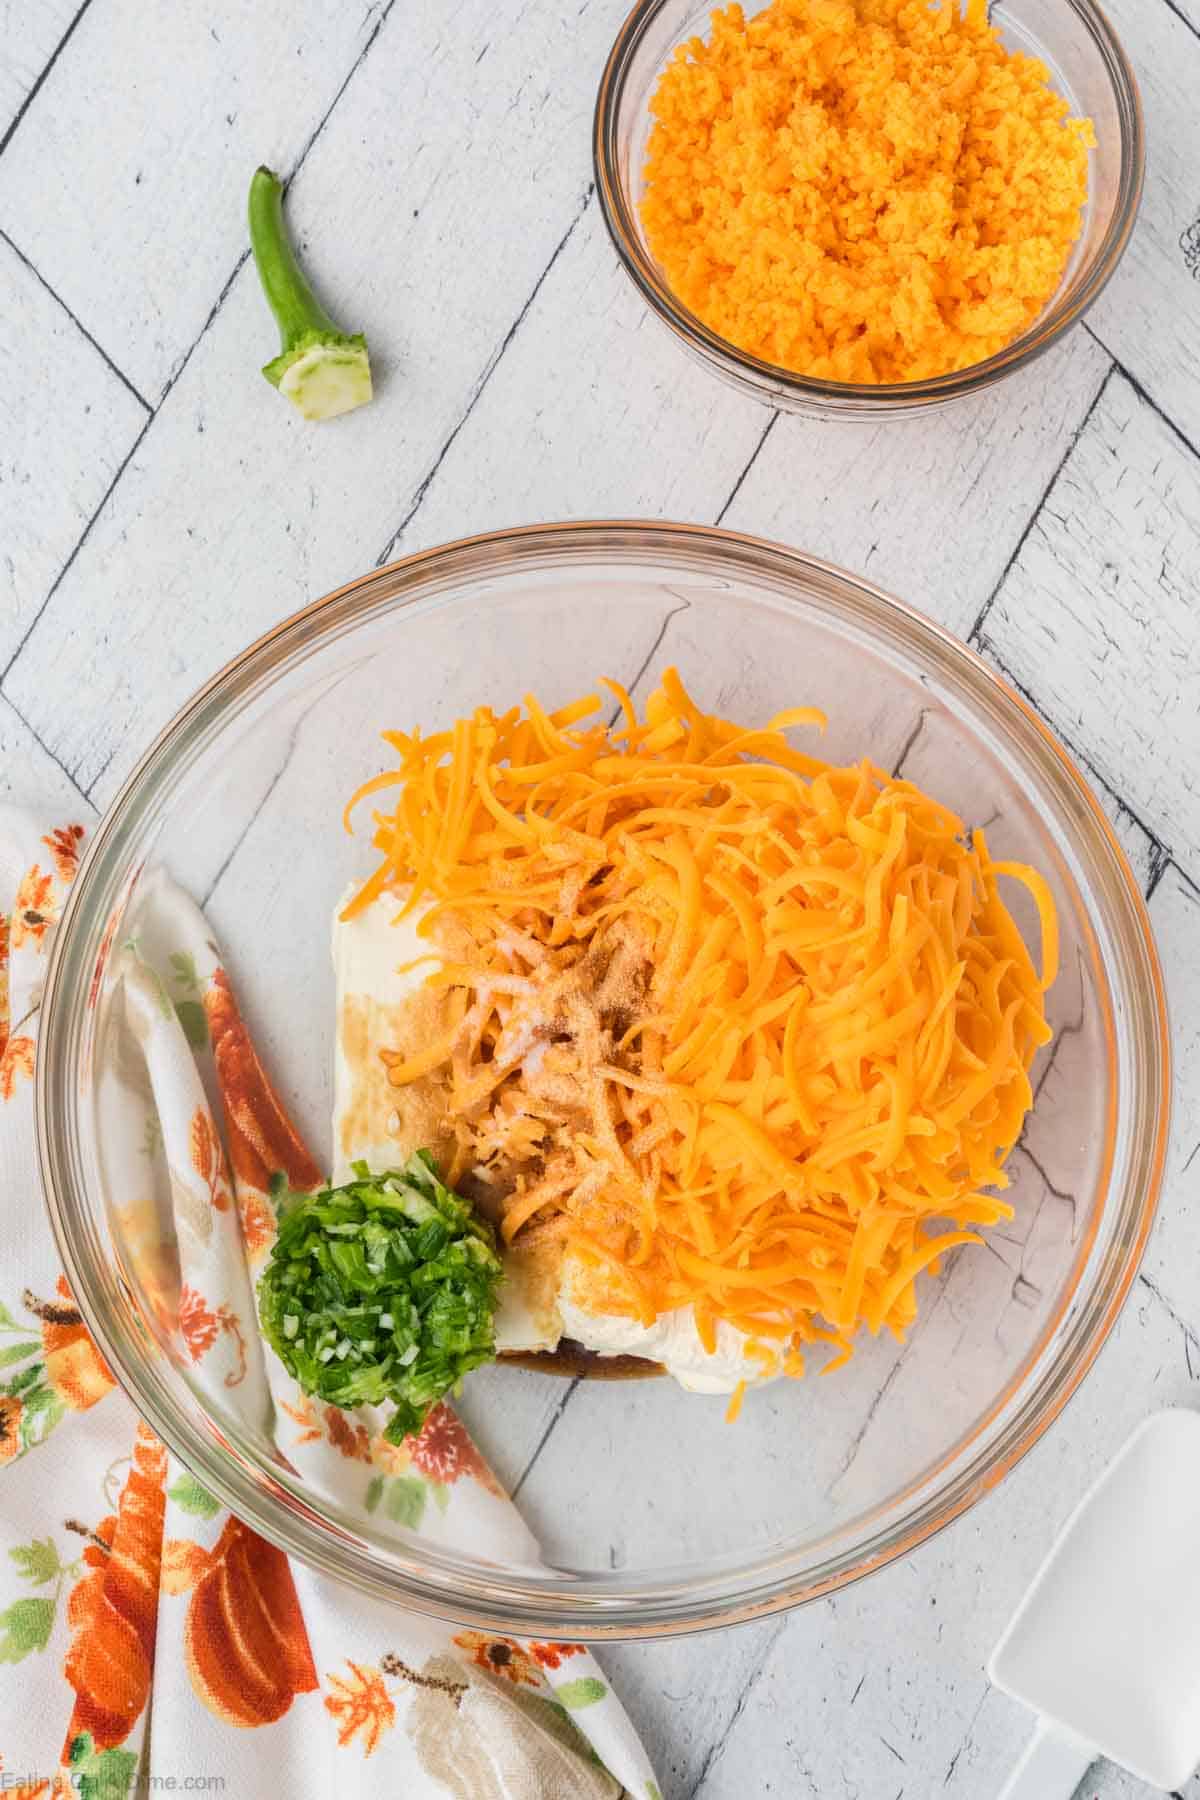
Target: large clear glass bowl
{"type": "Point", "coordinates": [652, 1514]}
{"type": "Point", "coordinates": [1087, 64]}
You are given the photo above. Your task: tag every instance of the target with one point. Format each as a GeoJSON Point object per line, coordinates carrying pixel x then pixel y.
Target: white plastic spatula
{"type": "Point", "coordinates": [1105, 1645]}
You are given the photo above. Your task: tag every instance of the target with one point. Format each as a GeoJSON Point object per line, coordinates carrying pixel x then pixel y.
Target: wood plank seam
{"type": "Point", "coordinates": [43, 745]}
{"type": "Point", "coordinates": [974, 636]}
{"type": "Point", "coordinates": [1180, 14]}
{"type": "Point", "coordinates": [1140, 391]}
{"type": "Point", "coordinates": [1193, 891]}
{"type": "Point", "coordinates": [31, 96]}
{"type": "Point", "coordinates": [1160, 862]}
{"type": "Point", "coordinates": [967, 1735]}
{"type": "Point", "coordinates": [1157, 848]}
{"type": "Point", "coordinates": [98, 347]}
{"type": "Point", "coordinates": [568, 1389]}
{"type": "Point", "coordinates": [62, 573]}
{"type": "Point", "coordinates": [756, 1675]}
{"type": "Point", "coordinates": [1191, 1335]}
{"type": "Point", "coordinates": [323, 121]}
{"type": "Point", "coordinates": [754, 454]}
{"type": "Point", "coordinates": [490, 367]}
{"type": "Point", "coordinates": [247, 828]}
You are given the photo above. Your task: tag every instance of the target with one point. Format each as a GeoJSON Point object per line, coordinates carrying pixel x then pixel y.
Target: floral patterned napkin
{"type": "Point", "coordinates": [148, 1637]}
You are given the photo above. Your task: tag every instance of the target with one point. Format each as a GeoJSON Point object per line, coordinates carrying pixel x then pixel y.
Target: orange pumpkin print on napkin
{"type": "Point", "coordinates": [15, 1059]}
{"type": "Point", "coordinates": [114, 1608]}
{"type": "Point", "coordinates": [245, 1645]}
{"type": "Point", "coordinates": [75, 1368]}
{"type": "Point", "coordinates": [262, 1139]}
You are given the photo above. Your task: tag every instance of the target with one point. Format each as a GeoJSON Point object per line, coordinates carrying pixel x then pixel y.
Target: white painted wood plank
{"type": "Point", "coordinates": [30, 32]}
{"type": "Point", "coordinates": [30, 777]}
{"type": "Point", "coordinates": [933, 761]}
{"type": "Point", "coordinates": [126, 183]}
{"type": "Point", "coordinates": [1097, 615]}
{"type": "Point", "coordinates": [900, 1656]}
{"type": "Point", "coordinates": [1148, 314]}
{"type": "Point", "coordinates": [917, 1635]}
{"type": "Point", "coordinates": [682, 1695]}
{"type": "Point", "coordinates": [591, 414]}
{"type": "Point", "coordinates": [66, 425]}
{"type": "Point", "coordinates": [1188, 10]}
{"type": "Point", "coordinates": [929, 508]}
{"type": "Point", "coordinates": [236, 511]}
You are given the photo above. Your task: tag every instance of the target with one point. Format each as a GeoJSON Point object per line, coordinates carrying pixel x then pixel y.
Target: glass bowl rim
{"type": "Point", "coordinates": [767, 377]}
{"type": "Point", "coordinates": [430, 1583]}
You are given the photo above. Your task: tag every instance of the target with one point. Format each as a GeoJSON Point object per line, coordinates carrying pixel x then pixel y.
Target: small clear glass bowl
{"type": "Point", "coordinates": [652, 1515]}
{"type": "Point", "coordinates": [1087, 64]}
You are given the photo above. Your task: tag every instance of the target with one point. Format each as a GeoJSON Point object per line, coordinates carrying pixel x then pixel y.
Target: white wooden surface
{"type": "Point", "coordinates": [159, 507]}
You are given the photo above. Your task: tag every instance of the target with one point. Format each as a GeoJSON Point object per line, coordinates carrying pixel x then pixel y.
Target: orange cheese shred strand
{"type": "Point", "coordinates": [1043, 899]}
{"type": "Point", "coordinates": [825, 1061]}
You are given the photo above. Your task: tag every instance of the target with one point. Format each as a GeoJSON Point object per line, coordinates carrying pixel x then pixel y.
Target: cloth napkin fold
{"type": "Point", "coordinates": [147, 1636]}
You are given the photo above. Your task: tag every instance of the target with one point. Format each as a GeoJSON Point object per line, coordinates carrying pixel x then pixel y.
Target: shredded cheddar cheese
{"type": "Point", "coordinates": [863, 190]}
{"type": "Point", "coordinates": [748, 1032]}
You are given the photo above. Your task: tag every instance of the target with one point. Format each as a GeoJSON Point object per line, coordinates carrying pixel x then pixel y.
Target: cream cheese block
{"type": "Point", "coordinates": [382, 967]}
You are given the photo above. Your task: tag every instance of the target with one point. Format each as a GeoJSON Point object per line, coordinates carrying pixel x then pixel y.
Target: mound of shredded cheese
{"type": "Point", "coordinates": [748, 1032]}
{"type": "Point", "coordinates": [863, 190]}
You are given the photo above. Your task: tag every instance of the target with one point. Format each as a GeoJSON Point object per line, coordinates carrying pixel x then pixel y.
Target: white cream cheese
{"type": "Point", "coordinates": [374, 989]}
{"type": "Point", "coordinates": [673, 1341]}
{"type": "Point", "coordinates": [369, 954]}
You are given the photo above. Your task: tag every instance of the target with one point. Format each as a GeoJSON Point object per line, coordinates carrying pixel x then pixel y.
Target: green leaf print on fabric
{"type": "Point", "coordinates": [25, 1626]}
{"type": "Point", "coordinates": [14, 1353]}
{"type": "Point", "coordinates": [183, 969]}
{"type": "Point", "coordinates": [405, 1500]}
{"type": "Point", "coordinates": [24, 1383]}
{"type": "Point", "coordinates": [29, 1406]}
{"type": "Point", "coordinates": [41, 1412]}
{"type": "Point", "coordinates": [166, 1005]}
{"type": "Point", "coordinates": [189, 1010]}
{"type": "Point", "coordinates": [191, 1016]}
{"type": "Point", "coordinates": [405, 1497]}
{"type": "Point", "coordinates": [190, 1497]}
{"type": "Point", "coordinates": [7, 1322]}
{"type": "Point", "coordinates": [100, 1775]}
{"type": "Point", "coordinates": [584, 1692]}
{"type": "Point", "coordinates": [37, 1562]}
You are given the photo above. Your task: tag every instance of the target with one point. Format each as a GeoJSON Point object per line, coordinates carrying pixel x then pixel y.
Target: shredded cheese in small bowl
{"type": "Point", "coordinates": [870, 204]}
